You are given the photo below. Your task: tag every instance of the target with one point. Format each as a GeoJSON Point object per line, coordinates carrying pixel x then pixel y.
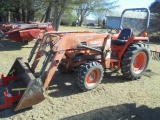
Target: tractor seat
{"type": "Point", "coordinates": [123, 37]}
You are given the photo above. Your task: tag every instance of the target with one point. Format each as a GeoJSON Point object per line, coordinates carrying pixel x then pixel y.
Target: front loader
{"type": "Point", "coordinates": [87, 53]}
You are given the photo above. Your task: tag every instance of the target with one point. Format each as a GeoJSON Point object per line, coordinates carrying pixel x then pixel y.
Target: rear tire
{"type": "Point", "coordinates": [90, 75]}
{"type": "Point", "coordinates": [135, 61]}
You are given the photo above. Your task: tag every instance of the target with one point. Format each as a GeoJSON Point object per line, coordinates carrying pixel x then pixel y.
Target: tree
{"type": "Point", "coordinates": [58, 10]}
{"type": "Point", "coordinates": [99, 16]}
{"type": "Point", "coordinates": [104, 23]}
{"type": "Point", "coordinates": [5, 9]}
{"type": "Point", "coordinates": [20, 10]}
{"type": "Point", "coordinates": [30, 10]}
{"type": "Point", "coordinates": [101, 7]}
{"type": "Point", "coordinates": [97, 7]}
{"type": "Point", "coordinates": [67, 19]}
{"type": "Point", "coordinates": [155, 15]}
{"type": "Point", "coordinates": [83, 9]}
{"type": "Point", "coordinates": [42, 10]}
{"type": "Point", "coordinates": [48, 12]}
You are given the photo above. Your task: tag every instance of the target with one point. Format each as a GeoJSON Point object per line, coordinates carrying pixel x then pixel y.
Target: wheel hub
{"type": "Point", "coordinates": [139, 62]}
{"type": "Point", "coordinates": [93, 77]}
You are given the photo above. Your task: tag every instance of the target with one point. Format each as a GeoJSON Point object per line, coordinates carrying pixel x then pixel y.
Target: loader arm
{"type": "Point", "coordinates": [58, 46]}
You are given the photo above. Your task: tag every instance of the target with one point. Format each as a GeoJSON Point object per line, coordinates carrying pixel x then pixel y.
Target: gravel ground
{"type": "Point", "coordinates": [115, 98]}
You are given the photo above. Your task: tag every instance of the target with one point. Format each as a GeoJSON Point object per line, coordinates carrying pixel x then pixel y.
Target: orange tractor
{"type": "Point", "coordinates": [88, 53]}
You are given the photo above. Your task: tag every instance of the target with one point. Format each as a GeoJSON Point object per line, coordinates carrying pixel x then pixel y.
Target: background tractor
{"type": "Point", "coordinates": [24, 33]}
{"type": "Point", "coordinates": [87, 53]}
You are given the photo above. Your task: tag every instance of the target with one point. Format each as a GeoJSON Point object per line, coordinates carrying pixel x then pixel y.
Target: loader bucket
{"type": "Point", "coordinates": [30, 87]}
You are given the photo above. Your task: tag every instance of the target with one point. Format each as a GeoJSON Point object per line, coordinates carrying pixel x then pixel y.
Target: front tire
{"type": "Point", "coordinates": [90, 75]}
{"type": "Point", "coordinates": [135, 61]}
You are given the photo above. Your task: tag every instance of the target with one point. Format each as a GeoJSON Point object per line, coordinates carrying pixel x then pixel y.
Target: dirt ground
{"type": "Point", "coordinates": [114, 99]}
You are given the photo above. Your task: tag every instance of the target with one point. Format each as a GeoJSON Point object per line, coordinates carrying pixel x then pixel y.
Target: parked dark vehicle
{"type": "Point", "coordinates": [90, 24]}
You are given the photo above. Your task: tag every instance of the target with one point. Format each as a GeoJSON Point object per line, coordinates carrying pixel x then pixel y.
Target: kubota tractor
{"type": "Point", "coordinates": [88, 53]}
